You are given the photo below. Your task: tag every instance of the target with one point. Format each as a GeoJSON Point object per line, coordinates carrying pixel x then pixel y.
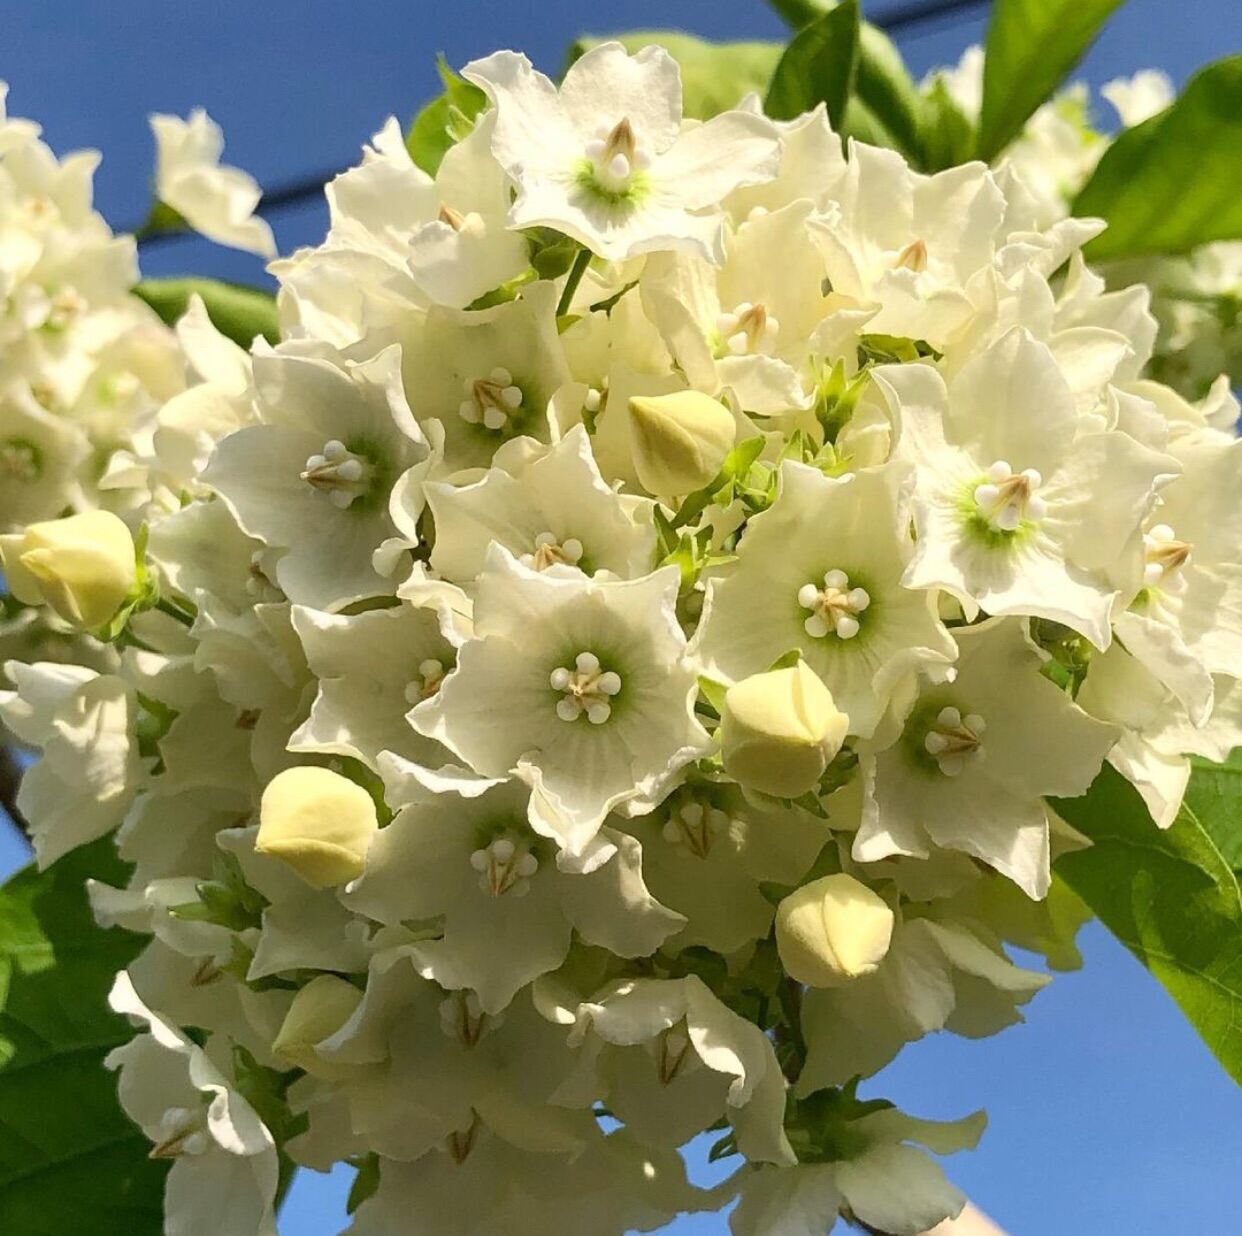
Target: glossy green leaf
{"type": "Point", "coordinates": [819, 66]}
{"type": "Point", "coordinates": [1169, 896]}
{"type": "Point", "coordinates": [1172, 183]}
{"type": "Point", "coordinates": [885, 108]}
{"type": "Point", "coordinates": [1031, 46]}
{"type": "Point", "coordinates": [714, 76]}
{"type": "Point", "coordinates": [445, 120]}
{"type": "Point", "coordinates": [1215, 797]}
{"type": "Point", "coordinates": [70, 1160]}
{"type": "Point", "coordinates": [948, 136]}
{"type": "Point", "coordinates": [241, 313]}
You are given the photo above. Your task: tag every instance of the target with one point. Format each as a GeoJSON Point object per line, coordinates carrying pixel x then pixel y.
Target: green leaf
{"type": "Point", "coordinates": [798, 13]}
{"type": "Point", "coordinates": [1171, 184]}
{"type": "Point", "coordinates": [948, 134]}
{"type": "Point", "coordinates": [886, 108]}
{"type": "Point", "coordinates": [819, 66]}
{"type": "Point", "coordinates": [1215, 797]}
{"type": "Point", "coordinates": [445, 120]}
{"type": "Point", "coordinates": [1170, 897]}
{"type": "Point", "coordinates": [1031, 46]}
{"type": "Point", "coordinates": [240, 312]}
{"type": "Point", "coordinates": [70, 1160]}
{"type": "Point", "coordinates": [714, 76]}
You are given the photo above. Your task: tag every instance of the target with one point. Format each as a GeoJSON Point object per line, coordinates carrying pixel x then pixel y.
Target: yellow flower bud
{"type": "Point", "coordinates": [832, 930]}
{"type": "Point", "coordinates": [679, 441]}
{"type": "Point", "coordinates": [82, 566]}
{"type": "Point", "coordinates": [318, 1011]}
{"type": "Point", "coordinates": [317, 822]}
{"type": "Point", "coordinates": [780, 730]}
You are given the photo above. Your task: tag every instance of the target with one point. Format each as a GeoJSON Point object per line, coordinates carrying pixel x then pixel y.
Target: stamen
{"type": "Point", "coordinates": [954, 741]}
{"type": "Point", "coordinates": [549, 551]}
{"type": "Point", "coordinates": [1006, 498]}
{"type": "Point", "coordinates": [430, 676]}
{"type": "Point", "coordinates": [695, 827]}
{"type": "Point", "coordinates": [1165, 556]}
{"type": "Point", "coordinates": [912, 257]}
{"type": "Point", "coordinates": [585, 689]}
{"type": "Point", "coordinates": [748, 329]}
{"type": "Point", "coordinates": [337, 472]}
{"type": "Point", "coordinates": [492, 400]}
{"type": "Point", "coordinates": [181, 1133]}
{"type": "Point", "coordinates": [834, 607]}
{"type": "Point", "coordinates": [20, 461]}
{"type": "Point", "coordinates": [504, 867]}
{"type": "Point", "coordinates": [674, 1048]}
{"type": "Point", "coordinates": [462, 1018]}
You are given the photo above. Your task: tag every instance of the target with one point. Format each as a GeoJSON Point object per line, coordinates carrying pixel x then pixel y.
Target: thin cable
{"type": "Point", "coordinates": [294, 192]}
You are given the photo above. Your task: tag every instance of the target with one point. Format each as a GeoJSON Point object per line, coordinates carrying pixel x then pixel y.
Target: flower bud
{"type": "Point", "coordinates": [317, 822]}
{"type": "Point", "coordinates": [832, 930]}
{"type": "Point", "coordinates": [82, 566]}
{"type": "Point", "coordinates": [679, 441]}
{"type": "Point", "coordinates": [780, 730]}
{"type": "Point", "coordinates": [318, 1011]}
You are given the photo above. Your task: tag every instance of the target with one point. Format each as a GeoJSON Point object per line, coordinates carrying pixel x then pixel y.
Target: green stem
{"type": "Point", "coordinates": [165, 606]}
{"type": "Point", "coordinates": [576, 271]}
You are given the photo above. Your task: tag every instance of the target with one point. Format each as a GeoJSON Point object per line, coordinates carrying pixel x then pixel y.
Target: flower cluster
{"type": "Point", "coordinates": [613, 660]}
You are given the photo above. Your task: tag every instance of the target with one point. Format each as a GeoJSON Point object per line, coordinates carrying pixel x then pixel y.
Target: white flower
{"type": "Point", "coordinates": [224, 1171]}
{"type": "Point", "coordinates": [881, 1180]}
{"type": "Point", "coordinates": [977, 756]}
{"type": "Point", "coordinates": [89, 770]}
{"type": "Point", "coordinates": [313, 480]}
{"type": "Point", "coordinates": [508, 911]}
{"type": "Point", "coordinates": [486, 376]}
{"type": "Point", "coordinates": [1021, 506]}
{"type": "Point", "coordinates": [606, 159]}
{"type": "Point", "coordinates": [549, 508]}
{"type": "Point", "coordinates": [837, 597]}
{"type": "Point", "coordinates": [580, 688]}
{"type": "Point", "coordinates": [217, 201]}
{"type": "Point", "coordinates": [1140, 97]}
{"type": "Point", "coordinates": [909, 243]}
{"type": "Point", "coordinates": [672, 1059]}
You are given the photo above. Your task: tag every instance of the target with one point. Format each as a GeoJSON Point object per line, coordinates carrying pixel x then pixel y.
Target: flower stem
{"type": "Point", "coordinates": [576, 271]}
{"type": "Point", "coordinates": [165, 606]}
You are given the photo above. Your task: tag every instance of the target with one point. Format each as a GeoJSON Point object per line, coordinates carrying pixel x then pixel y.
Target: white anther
{"type": "Point", "coordinates": [586, 689]}
{"type": "Point", "coordinates": [593, 400]}
{"type": "Point", "coordinates": [1164, 555]}
{"type": "Point", "coordinates": [954, 741]}
{"type": "Point", "coordinates": [834, 607]}
{"type": "Point", "coordinates": [695, 827]}
{"type": "Point", "coordinates": [1006, 498]}
{"type": "Point", "coordinates": [337, 472]}
{"type": "Point", "coordinates": [504, 867]}
{"type": "Point", "coordinates": [549, 551]}
{"type": "Point", "coordinates": [492, 400]}
{"type": "Point", "coordinates": [748, 329]}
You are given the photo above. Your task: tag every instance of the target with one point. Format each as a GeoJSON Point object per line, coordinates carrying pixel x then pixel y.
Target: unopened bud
{"type": "Point", "coordinates": [318, 1011]}
{"type": "Point", "coordinates": [82, 566]}
{"type": "Point", "coordinates": [317, 822]}
{"type": "Point", "coordinates": [832, 930]}
{"type": "Point", "coordinates": [679, 441]}
{"type": "Point", "coordinates": [780, 730]}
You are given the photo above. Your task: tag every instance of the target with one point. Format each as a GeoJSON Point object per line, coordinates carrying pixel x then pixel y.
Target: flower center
{"type": "Point", "coordinates": [671, 1056]}
{"type": "Point", "coordinates": [834, 607]}
{"type": "Point", "coordinates": [337, 472]}
{"type": "Point", "coordinates": [695, 828]}
{"type": "Point", "coordinates": [1006, 498]}
{"type": "Point", "coordinates": [182, 1131]}
{"type": "Point", "coordinates": [748, 329]}
{"type": "Point", "coordinates": [912, 257]}
{"type": "Point", "coordinates": [616, 155]}
{"type": "Point", "coordinates": [585, 689]}
{"type": "Point", "coordinates": [63, 307]}
{"type": "Point", "coordinates": [504, 866]}
{"type": "Point", "coordinates": [430, 676]}
{"type": "Point", "coordinates": [20, 460]}
{"type": "Point", "coordinates": [551, 552]}
{"type": "Point", "coordinates": [492, 400]}
{"type": "Point", "coordinates": [462, 1018]}
{"type": "Point", "coordinates": [1165, 555]}
{"type": "Point", "coordinates": [461, 1143]}
{"type": "Point", "coordinates": [954, 740]}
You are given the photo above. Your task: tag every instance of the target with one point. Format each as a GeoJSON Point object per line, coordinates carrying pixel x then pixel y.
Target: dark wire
{"type": "Point", "coordinates": [294, 192]}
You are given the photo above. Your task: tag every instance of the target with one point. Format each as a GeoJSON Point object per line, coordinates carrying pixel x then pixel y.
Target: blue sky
{"type": "Point", "coordinates": [1108, 1116]}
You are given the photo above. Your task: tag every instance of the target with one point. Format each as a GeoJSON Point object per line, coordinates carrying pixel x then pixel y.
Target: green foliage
{"type": "Point", "coordinates": [70, 1160]}
{"type": "Point", "coordinates": [947, 133]}
{"type": "Point", "coordinates": [820, 65]}
{"type": "Point", "coordinates": [1031, 46]}
{"type": "Point", "coordinates": [1169, 896]}
{"type": "Point", "coordinates": [886, 108]}
{"type": "Point", "coordinates": [1171, 184]}
{"type": "Point", "coordinates": [240, 312]}
{"type": "Point", "coordinates": [1215, 797]}
{"type": "Point", "coordinates": [445, 120]}
{"type": "Point", "coordinates": [714, 76]}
